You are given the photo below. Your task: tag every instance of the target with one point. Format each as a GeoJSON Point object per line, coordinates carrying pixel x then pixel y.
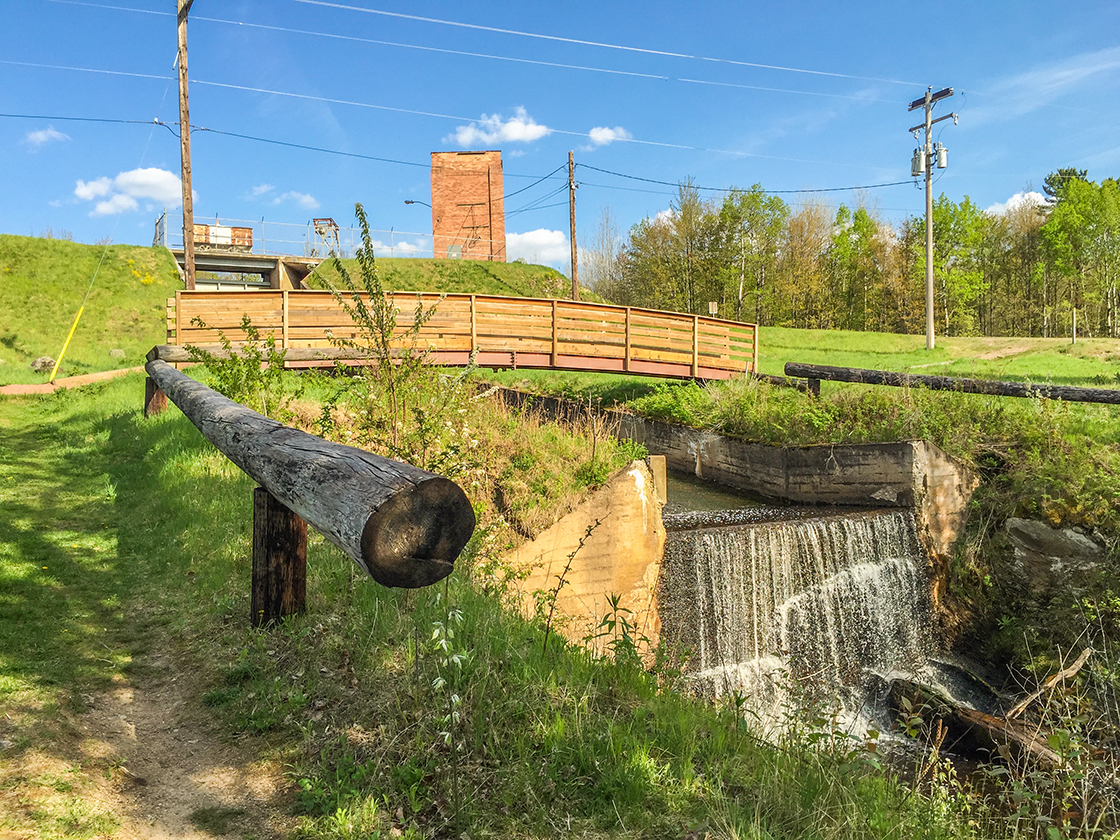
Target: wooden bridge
{"type": "Point", "coordinates": [501, 332]}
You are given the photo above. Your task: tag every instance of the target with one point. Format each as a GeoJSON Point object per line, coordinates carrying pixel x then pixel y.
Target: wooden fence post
{"type": "Point", "coordinates": [555, 338]}
{"type": "Point", "coordinates": [155, 401]}
{"type": "Point", "coordinates": [279, 586]}
{"type": "Point", "coordinates": [284, 320]}
{"type": "Point", "coordinates": [474, 327]}
{"type": "Point", "coordinates": [626, 354]}
{"type": "Point", "coordinates": [695, 346]}
{"type": "Point", "coordinates": [754, 350]}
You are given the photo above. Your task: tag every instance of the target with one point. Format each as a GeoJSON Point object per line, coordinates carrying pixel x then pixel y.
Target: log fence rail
{"type": "Point", "coordinates": [814, 374]}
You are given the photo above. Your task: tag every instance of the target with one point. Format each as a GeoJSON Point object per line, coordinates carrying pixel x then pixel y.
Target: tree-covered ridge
{"type": "Point", "coordinates": [1021, 272]}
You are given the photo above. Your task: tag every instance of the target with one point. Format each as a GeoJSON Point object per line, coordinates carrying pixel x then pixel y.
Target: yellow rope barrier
{"type": "Point", "coordinates": [77, 318]}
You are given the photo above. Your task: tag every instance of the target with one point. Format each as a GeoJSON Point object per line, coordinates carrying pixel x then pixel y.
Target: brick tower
{"type": "Point", "coordinates": [468, 210]}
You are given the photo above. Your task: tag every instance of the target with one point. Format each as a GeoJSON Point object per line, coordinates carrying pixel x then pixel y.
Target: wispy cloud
{"type": "Point", "coordinates": [35, 139]}
{"type": "Point", "coordinates": [1042, 85]}
{"type": "Point", "coordinates": [122, 193]}
{"type": "Point", "coordinates": [304, 200]}
{"type": "Point", "coordinates": [492, 130]}
{"type": "Point", "coordinates": [260, 190]}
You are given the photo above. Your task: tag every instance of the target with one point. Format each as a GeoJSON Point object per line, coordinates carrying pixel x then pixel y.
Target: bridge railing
{"type": "Point", "coordinates": [501, 331]}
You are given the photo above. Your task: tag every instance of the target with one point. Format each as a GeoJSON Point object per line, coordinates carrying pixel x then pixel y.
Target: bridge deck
{"type": "Point", "coordinates": [502, 332]}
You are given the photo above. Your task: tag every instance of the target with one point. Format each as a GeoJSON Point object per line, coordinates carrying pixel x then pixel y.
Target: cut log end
{"type": "Point", "coordinates": [414, 538]}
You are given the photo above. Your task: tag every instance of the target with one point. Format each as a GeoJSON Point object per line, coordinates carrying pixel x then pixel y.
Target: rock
{"type": "Point", "coordinates": [44, 364]}
{"type": "Point", "coordinates": [1050, 557]}
{"type": "Point", "coordinates": [116, 353]}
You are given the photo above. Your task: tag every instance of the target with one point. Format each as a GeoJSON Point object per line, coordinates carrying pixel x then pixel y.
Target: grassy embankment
{"type": "Point", "coordinates": [42, 284]}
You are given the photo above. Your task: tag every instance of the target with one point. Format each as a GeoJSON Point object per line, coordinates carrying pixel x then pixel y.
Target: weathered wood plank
{"type": "Point", "coordinates": [402, 525]}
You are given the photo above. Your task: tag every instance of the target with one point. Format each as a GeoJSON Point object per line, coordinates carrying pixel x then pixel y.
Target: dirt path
{"type": "Point", "coordinates": [65, 382]}
{"type": "Point", "coordinates": [171, 774]}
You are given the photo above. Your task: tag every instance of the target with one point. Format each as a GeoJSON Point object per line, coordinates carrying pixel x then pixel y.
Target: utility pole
{"type": "Point", "coordinates": [185, 145]}
{"type": "Point", "coordinates": [572, 215]}
{"type": "Point", "coordinates": [922, 162]}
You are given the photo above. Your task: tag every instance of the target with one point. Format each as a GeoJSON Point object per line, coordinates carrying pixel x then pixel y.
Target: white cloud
{"type": "Point", "coordinates": [304, 200]}
{"type": "Point", "coordinates": [547, 247]}
{"type": "Point", "coordinates": [156, 184]}
{"type": "Point", "coordinates": [1020, 199]}
{"type": "Point", "coordinates": [665, 216]}
{"type": "Point", "coordinates": [43, 136]}
{"type": "Point", "coordinates": [606, 136]}
{"type": "Point", "coordinates": [492, 131]}
{"type": "Point", "coordinates": [261, 189]}
{"type": "Point", "coordinates": [90, 190]}
{"type": "Point", "coordinates": [399, 248]}
{"type": "Point", "coordinates": [120, 194]}
{"type": "Point", "coordinates": [119, 203]}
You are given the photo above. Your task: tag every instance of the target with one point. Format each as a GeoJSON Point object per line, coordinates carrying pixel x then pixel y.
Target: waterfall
{"type": "Point", "coordinates": [833, 605]}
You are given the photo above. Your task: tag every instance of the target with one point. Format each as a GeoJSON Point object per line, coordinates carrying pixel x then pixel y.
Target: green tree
{"type": "Point", "coordinates": [1056, 181]}
{"type": "Point", "coordinates": [753, 226]}
{"type": "Point", "coordinates": [802, 291]}
{"type": "Point", "coordinates": [958, 231]}
{"type": "Point", "coordinates": [1081, 237]}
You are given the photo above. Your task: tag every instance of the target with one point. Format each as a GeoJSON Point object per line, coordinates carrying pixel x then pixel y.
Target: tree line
{"type": "Point", "coordinates": [1029, 271]}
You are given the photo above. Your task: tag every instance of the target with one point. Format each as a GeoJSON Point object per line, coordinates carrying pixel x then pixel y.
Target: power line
{"type": "Point", "coordinates": [600, 44]}
{"type": "Point", "coordinates": [523, 189]}
{"type": "Point", "coordinates": [532, 205]}
{"type": "Point", "coordinates": [313, 148]}
{"type": "Point", "coordinates": [729, 189]}
{"type": "Point", "coordinates": [488, 56]}
{"type": "Point", "coordinates": [436, 115]}
{"type": "Point", "coordinates": [155, 121]}
{"type": "Point", "coordinates": [542, 207]}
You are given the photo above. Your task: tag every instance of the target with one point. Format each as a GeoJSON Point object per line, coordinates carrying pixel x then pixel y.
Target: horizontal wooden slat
{"type": "Point", "coordinates": [527, 332]}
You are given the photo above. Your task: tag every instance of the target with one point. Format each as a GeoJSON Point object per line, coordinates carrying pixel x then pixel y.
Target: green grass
{"type": "Point", "coordinates": [1089, 362]}
{"type": "Point", "coordinates": [460, 276]}
{"type": "Point", "coordinates": [42, 284]}
{"type": "Point", "coordinates": [431, 712]}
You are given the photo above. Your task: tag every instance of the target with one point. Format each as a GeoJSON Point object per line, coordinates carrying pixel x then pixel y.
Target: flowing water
{"type": "Point", "coordinates": [779, 606]}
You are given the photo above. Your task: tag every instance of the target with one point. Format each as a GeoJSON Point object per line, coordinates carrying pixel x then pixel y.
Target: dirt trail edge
{"type": "Point", "coordinates": [174, 776]}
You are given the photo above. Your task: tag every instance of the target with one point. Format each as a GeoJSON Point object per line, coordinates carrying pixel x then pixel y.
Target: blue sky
{"type": "Point", "coordinates": [792, 95]}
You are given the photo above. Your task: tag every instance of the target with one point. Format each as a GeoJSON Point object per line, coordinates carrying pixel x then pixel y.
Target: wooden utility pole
{"type": "Point", "coordinates": [185, 145]}
{"type": "Point", "coordinates": [572, 215]}
{"type": "Point", "coordinates": [923, 163]}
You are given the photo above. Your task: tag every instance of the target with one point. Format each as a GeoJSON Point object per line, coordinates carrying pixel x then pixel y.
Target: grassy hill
{"type": "Point", "coordinates": [460, 276]}
{"type": "Point", "coordinates": [42, 284]}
